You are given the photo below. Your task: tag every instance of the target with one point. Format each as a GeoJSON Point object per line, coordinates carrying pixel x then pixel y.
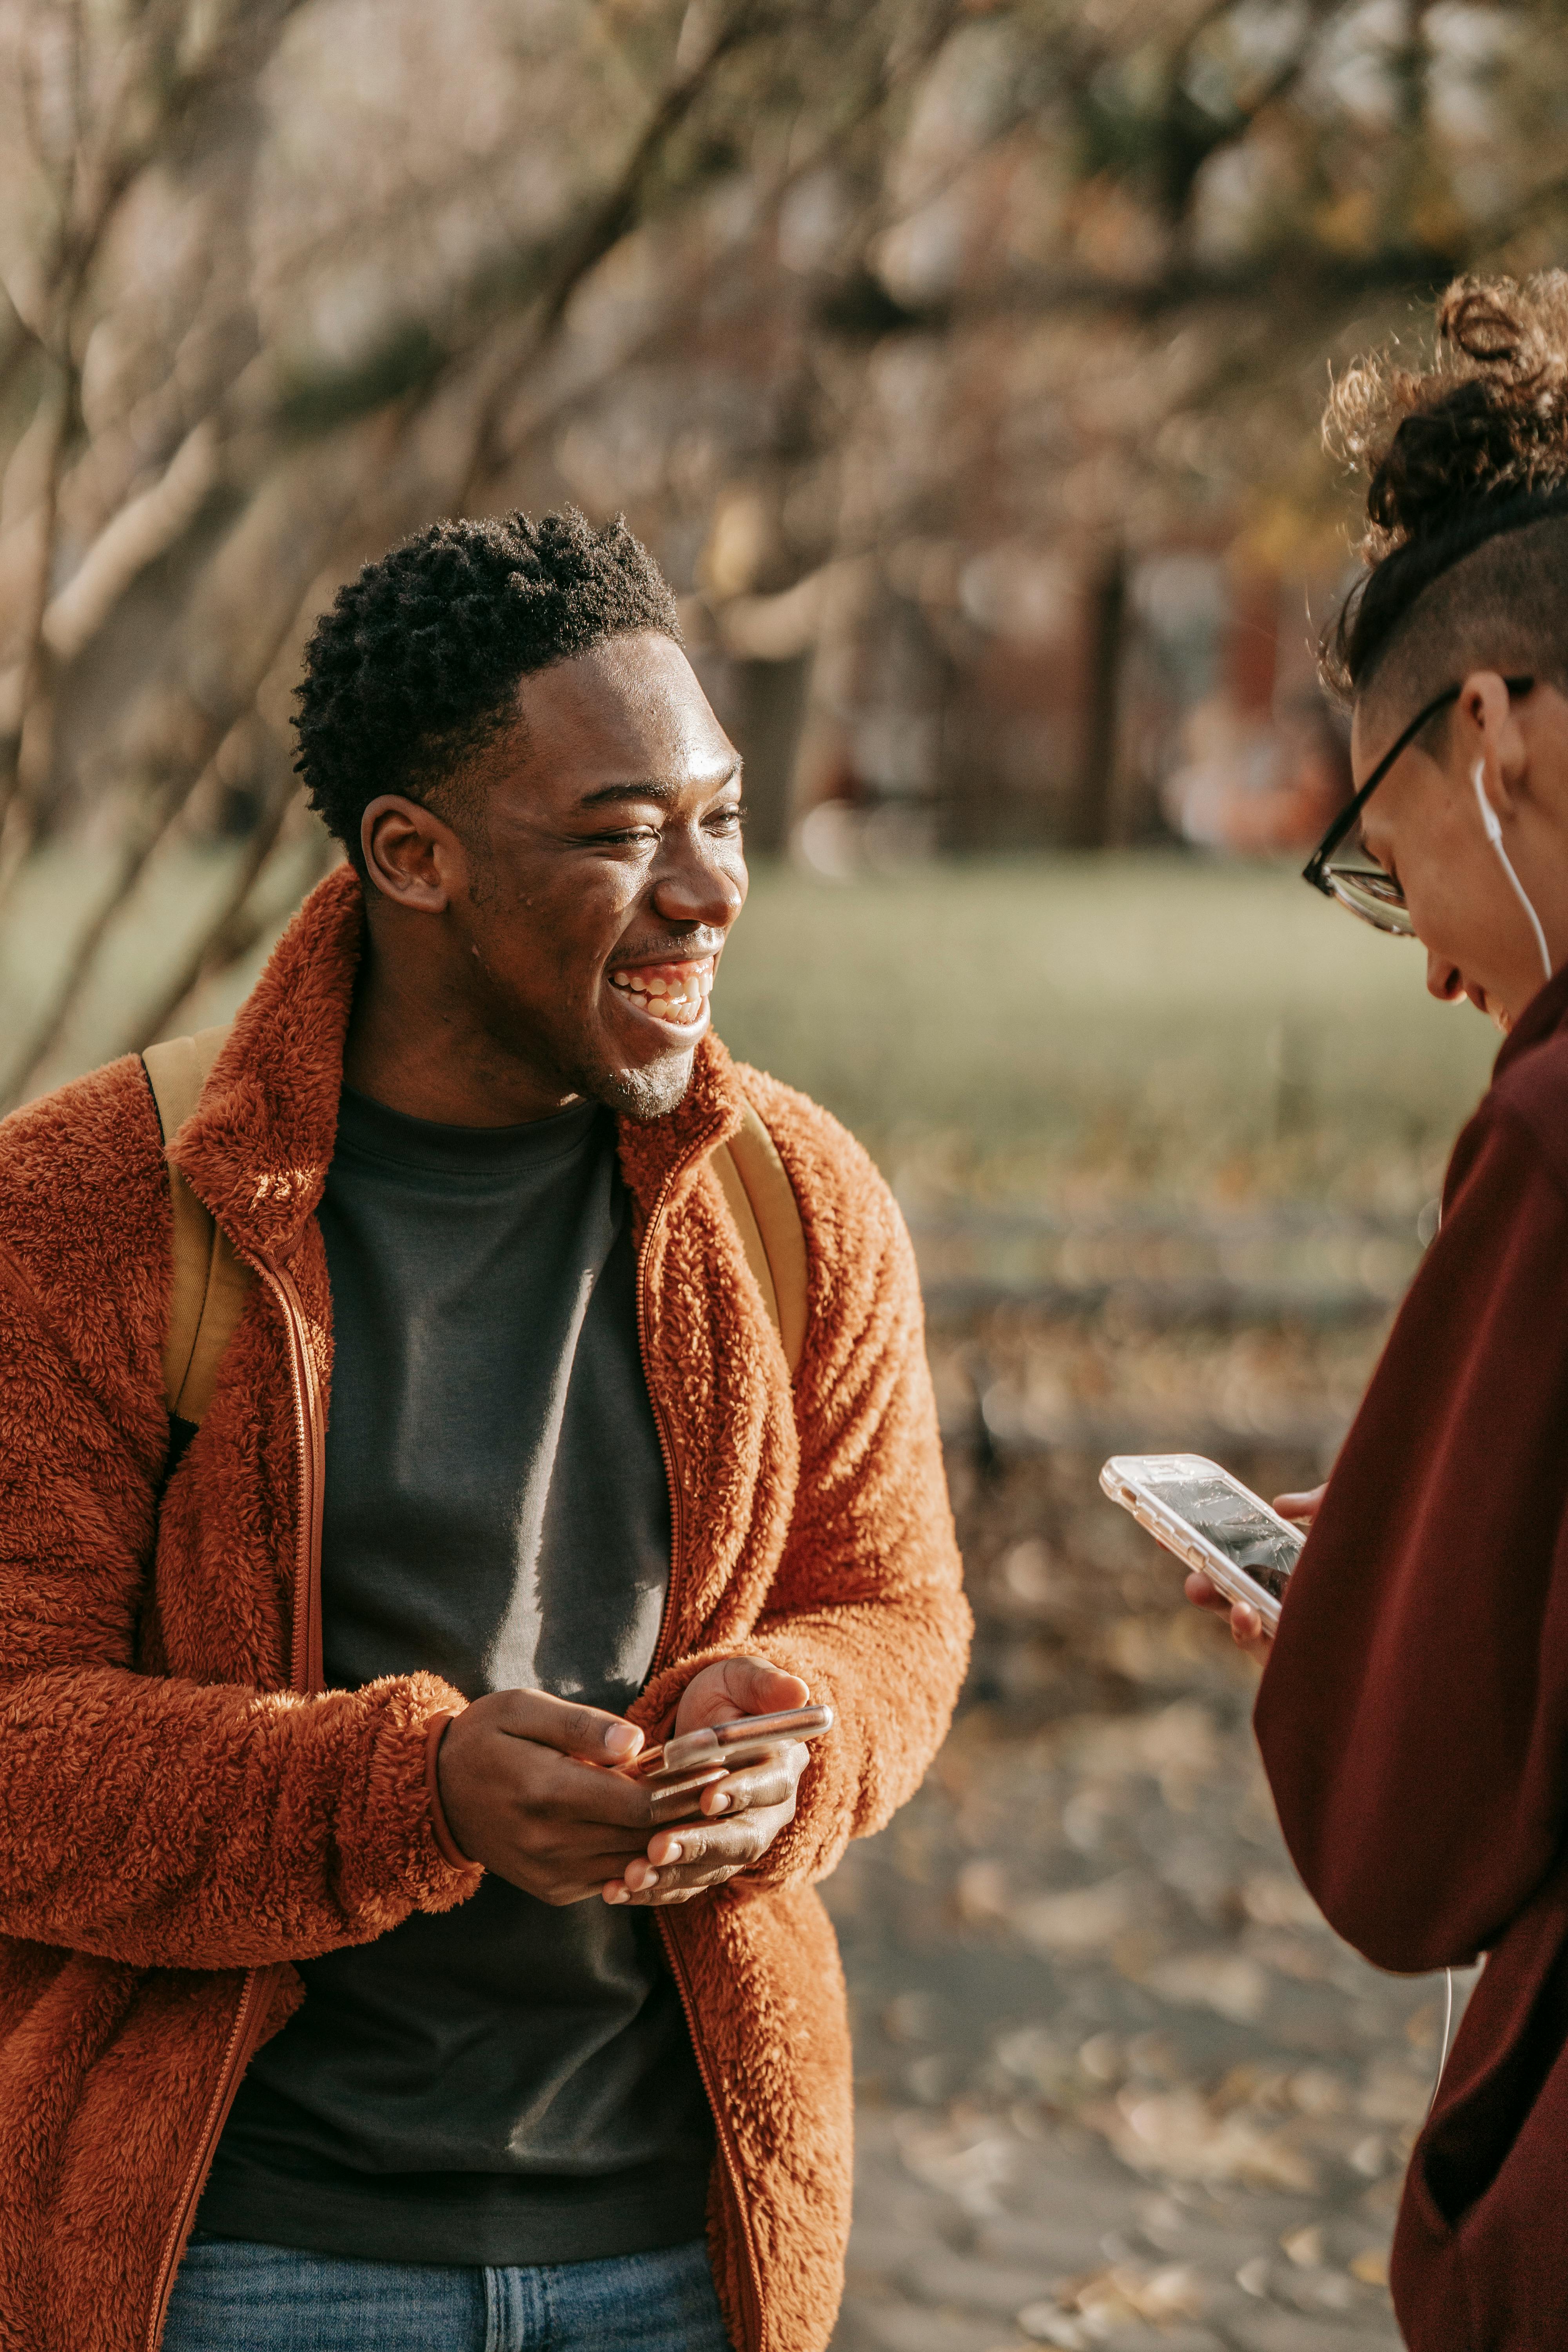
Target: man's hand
{"type": "Point", "coordinates": [1246, 1628]}
{"type": "Point", "coordinates": [518, 1800]}
{"type": "Point", "coordinates": [742, 1814]}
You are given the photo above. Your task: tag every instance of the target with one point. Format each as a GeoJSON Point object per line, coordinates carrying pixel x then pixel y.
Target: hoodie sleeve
{"type": "Point", "coordinates": [868, 1604]}
{"type": "Point", "coordinates": [1414, 1716]}
{"type": "Point", "coordinates": [150, 1818]}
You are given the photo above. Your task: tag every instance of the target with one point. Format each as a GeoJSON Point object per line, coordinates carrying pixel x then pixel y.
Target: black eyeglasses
{"type": "Point", "coordinates": [1353, 876]}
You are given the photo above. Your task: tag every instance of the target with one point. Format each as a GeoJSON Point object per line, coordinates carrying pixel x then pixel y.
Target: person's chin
{"type": "Point", "coordinates": [647, 1090]}
{"type": "Point", "coordinates": [1498, 1014]}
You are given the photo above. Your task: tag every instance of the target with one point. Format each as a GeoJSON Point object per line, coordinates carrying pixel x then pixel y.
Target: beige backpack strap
{"type": "Point", "coordinates": [210, 1283]}
{"type": "Point", "coordinates": [762, 1201]}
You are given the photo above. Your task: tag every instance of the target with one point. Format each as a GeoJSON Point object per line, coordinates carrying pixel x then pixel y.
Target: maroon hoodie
{"type": "Point", "coordinates": [1414, 1717]}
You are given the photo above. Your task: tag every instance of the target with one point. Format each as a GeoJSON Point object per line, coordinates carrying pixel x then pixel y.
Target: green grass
{"type": "Point", "coordinates": [1145, 1020]}
{"type": "Point", "coordinates": [1131, 1023]}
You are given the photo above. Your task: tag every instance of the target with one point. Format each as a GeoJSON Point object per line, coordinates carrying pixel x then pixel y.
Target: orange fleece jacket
{"type": "Point", "coordinates": [184, 1822]}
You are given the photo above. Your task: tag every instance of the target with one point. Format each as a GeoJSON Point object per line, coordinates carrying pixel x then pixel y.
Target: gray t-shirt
{"type": "Point", "coordinates": [507, 2082]}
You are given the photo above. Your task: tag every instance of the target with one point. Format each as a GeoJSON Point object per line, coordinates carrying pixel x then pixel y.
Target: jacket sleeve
{"type": "Point", "coordinates": [868, 1604]}
{"type": "Point", "coordinates": [1414, 1716]}
{"type": "Point", "coordinates": [149, 1819]}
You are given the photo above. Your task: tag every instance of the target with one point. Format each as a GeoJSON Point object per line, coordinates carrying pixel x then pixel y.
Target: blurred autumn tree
{"type": "Point", "coordinates": [901, 328]}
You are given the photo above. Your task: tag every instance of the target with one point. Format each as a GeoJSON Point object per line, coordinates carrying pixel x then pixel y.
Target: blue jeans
{"type": "Point", "coordinates": [232, 2296]}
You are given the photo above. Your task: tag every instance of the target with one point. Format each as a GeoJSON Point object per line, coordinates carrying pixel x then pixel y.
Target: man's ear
{"type": "Point", "coordinates": [410, 855]}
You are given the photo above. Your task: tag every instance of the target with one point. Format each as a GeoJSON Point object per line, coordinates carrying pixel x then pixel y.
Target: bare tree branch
{"type": "Point", "coordinates": [116, 166]}
{"type": "Point", "coordinates": [142, 529]}
{"type": "Point", "coordinates": [30, 667]}
{"type": "Point", "coordinates": [604, 228]}
{"type": "Point", "coordinates": [195, 733]}
{"type": "Point", "coordinates": [232, 932]}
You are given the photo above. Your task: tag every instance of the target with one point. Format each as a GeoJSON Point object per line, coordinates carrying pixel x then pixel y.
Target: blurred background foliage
{"type": "Point", "coordinates": [961, 363]}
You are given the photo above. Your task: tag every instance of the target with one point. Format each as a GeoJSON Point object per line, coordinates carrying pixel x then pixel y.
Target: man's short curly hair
{"type": "Point", "coordinates": [417, 663]}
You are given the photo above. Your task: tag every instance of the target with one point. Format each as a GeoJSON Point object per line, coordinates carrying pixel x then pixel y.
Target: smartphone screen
{"type": "Point", "coordinates": [1231, 1521]}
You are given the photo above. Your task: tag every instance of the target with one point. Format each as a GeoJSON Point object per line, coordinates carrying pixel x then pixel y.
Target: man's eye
{"type": "Point", "coordinates": [730, 818]}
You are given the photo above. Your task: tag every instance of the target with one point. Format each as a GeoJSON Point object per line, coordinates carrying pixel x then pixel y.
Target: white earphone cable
{"type": "Point", "coordinates": [1448, 2032]}
{"type": "Point", "coordinates": [1493, 831]}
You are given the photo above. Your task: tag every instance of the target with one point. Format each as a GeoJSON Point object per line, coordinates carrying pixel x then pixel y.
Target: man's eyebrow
{"type": "Point", "coordinates": [648, 788]}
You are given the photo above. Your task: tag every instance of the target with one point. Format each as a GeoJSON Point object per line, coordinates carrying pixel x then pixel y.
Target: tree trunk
{"type": "Point", "coordinates": [770, 710]}
{"type": "Point", "coordinates": [1094, 811]}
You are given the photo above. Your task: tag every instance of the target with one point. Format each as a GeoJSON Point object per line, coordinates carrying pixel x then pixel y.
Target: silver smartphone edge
{"type": "Point", "coordinates": [1188, 1543]}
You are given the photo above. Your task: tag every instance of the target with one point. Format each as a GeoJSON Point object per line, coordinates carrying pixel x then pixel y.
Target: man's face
{"type": "Point", "coordinates": [600, 871]}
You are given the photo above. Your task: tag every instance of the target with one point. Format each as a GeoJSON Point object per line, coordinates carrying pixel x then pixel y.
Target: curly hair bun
{"type": "Point", "coordinates": [1474, 444]}
{"type": "Point", "coordinates": [1490, 418]}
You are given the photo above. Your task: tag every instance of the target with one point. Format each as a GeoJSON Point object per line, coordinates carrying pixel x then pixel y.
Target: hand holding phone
{"type": "Point", "coordinates": [1223, 1530]}
{"type": "Point", "coordinates": [677, 1774]}
{"type": "Point", "coordinates": [725, 1783]}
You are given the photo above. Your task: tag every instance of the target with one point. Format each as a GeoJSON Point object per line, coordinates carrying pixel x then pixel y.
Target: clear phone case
{"type": "Point", "coordinates": [677, 1774]}
{"type": "Point", "coordinates": [1210, 1521]}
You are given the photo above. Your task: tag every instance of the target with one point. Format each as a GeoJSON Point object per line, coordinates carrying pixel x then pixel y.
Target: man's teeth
{"type": "Point", "coordinates": [674, 992]}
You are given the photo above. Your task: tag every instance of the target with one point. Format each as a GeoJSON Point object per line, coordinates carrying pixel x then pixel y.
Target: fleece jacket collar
{"type": "Point", "coordinates": [258, 1145]}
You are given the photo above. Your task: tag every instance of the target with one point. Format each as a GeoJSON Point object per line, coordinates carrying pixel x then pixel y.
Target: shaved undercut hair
{"type": "Point", "coordinates": [1504, 607]}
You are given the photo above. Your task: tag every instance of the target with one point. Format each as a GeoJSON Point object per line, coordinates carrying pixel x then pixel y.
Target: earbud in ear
{"type": "Point", "coordinates": [1492, 829]}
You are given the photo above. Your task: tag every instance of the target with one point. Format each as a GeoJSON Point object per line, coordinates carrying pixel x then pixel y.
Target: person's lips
{"type": "Point", "coordinates": [1496, 1014]}
{"type": "Point", "coordinates": [673, 992]}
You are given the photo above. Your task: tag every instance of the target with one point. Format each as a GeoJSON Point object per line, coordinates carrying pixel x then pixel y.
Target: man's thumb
{"type": "Point", "coordinates": [576, 1730]}
{"type": "Point", "coordinates": [759, 1688]}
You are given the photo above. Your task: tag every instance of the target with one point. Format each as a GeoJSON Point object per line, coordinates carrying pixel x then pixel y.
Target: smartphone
{"type": "Point", "coordinates": [1211, 1521]}
{"type": "Point", "coordinates": [677, 1772]}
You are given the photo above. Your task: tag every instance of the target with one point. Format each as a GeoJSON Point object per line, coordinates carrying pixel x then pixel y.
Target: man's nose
{"type": "Point", "coordinates": [695, 886]}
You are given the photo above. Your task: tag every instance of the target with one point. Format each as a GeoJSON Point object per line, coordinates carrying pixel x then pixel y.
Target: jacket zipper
{"type": "Point", "coordinates": [307, 1670]}
{"type": "Point", "coordinates": [677, 1966]}
{"type": "Point", "coordinates": [236, 2056]}
{"type": "Point", "coordinates": [305, 1674]}
{"type": "Point", "coordinates": [661, 1428]}
{"type": "Point", "coordinates": [730, 2161]}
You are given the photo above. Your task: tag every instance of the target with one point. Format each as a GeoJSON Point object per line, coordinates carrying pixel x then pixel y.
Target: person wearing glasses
{"type": "Point", "coordinates": [1413, 1716]}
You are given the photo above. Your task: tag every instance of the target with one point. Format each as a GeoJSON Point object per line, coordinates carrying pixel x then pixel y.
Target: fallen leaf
{"type": "Point", "coordinates": [1226, 1982]}
{"type": "Point", "coordinates": [969, 2169]}
{"type": "Point", "coordinates": [1101, 2058]}
{"type": "Point", "coordinates": [1390, 2094]}
{"type": "Point", "coordinates": [1083, 1920]}
{"type": "Point", "coordinates": [1047, 2323]}
{"type": "Point", "coordinates": [1317, 2093]}
{"type": "Point", "coordinates": [1177, 2135]}
{"type": "Point", "coordinates": [1274, 1901]}
{"type": "Point", "coordinates": [1177, 2292]}
{"type": "Point", "coordinates": [982, 1891]}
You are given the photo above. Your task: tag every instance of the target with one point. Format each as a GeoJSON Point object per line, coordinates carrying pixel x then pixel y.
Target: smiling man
{"type": "Point", "coordinates": [354, 2000]}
